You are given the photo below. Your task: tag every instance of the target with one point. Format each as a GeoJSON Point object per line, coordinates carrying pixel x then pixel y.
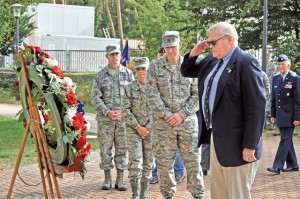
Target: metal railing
{"type": "Point", "coordinates": [69, 61]}
{"type": "Point", "coordinates": [6, 62]}
{"type": "Point", "coordinates": [79, 60]}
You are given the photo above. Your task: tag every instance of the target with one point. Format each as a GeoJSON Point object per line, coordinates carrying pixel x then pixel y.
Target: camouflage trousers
{"type": "Point", "coordinates": [141, 160]}
{"type": "Point", "coordinates": [112, 133]}
{"type": "Point", "coordinates": [165, 143]}
{"type": "Point", "coordinates": [268, 109]}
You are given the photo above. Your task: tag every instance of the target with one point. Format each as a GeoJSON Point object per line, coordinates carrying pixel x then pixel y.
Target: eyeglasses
{"type": "Point", "coordinates": [214, 42]}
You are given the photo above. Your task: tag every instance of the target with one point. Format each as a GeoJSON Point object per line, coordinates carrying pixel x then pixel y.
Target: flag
{"type": "Point", "coordinates": [125, 55]}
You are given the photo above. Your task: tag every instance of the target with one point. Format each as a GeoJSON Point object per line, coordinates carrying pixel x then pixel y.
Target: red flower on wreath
{"type": "Point", "coordinates": [40, 60]}
{"type": "Point", "coordinates": [74, 167]}
{"type": "Point", "coordinates": [46, 117]}
{"type": "Point", "coordinates": [80, 157]}
{"type": "Point", "coordinates": [78, 121]}
{"type": "Point", "coordinates": [38, 50]}
{"type": "Point", "coordinates": [71, 99]}
{"type": "Point", "coordinates": [81, 142]}
{"type": "Point", "coordinates": [57, 71]}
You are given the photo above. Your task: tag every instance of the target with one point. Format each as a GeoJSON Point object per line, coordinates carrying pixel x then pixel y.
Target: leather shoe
{"type": "Point", "coordinates": [274, 170]}
{"type": "Point", "coordinates": [204, 172]}
{"type": "Point", "coordinates": [290, 169]}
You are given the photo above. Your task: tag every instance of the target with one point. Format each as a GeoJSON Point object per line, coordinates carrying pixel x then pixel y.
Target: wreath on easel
{"type": "Point", "coordinates": [60, 112]}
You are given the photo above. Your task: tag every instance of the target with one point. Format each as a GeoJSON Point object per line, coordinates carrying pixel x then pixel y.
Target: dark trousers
{"type": "Point", "coordinates": [285, 152]}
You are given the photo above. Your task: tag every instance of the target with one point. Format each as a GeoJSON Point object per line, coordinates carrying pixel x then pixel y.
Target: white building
{"type": "Point", "coordinates": [65, 27]}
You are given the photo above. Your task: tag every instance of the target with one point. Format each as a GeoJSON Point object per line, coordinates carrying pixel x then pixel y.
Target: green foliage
{"type": "Point", "coordinates": [149, 19]}
{"type": "Point", "coordinates": [9, 90]}
{"type": "Point", "coordinates": [8, 25]}
{"type": "Point", "coordinates": [283, 23]}
{"type": "Point", "coordinates": [84, 83]}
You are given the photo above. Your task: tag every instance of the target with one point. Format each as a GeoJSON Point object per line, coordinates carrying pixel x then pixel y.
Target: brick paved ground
{"type": "Point", "coordinates": [266, 185]}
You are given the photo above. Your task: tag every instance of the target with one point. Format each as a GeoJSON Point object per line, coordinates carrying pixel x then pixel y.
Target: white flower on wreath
{"type": "Point", "coordinates": [68, 82]}
{"type": "Point", "coordinates": [70, 113]}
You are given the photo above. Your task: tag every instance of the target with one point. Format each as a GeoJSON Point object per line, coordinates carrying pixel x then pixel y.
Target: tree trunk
{"type": "Point", "coordinates": [110, 19]}
{"type": "Point", "coordinates": [120, 28]}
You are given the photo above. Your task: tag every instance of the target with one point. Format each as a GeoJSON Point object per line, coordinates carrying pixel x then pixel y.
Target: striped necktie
{"type": "Point", "coordinates": [206, 100]}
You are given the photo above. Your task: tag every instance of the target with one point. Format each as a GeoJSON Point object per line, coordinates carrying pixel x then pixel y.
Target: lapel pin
{"type": "Point", "coordinates": [228, 70]}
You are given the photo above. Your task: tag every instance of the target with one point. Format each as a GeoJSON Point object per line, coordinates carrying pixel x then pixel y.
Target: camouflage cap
{"type": "Point", "coordinates": [112, 49]}
{"type": "Point", "coordinates": [170, 38]}
{"type": "Point", "coordinates": [140, 62]}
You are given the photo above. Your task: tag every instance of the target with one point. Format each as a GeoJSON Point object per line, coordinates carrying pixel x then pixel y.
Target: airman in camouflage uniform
{"type": "Point", "coordinates": [174, 101]}
{"type": "Point", "coordinates": [107, 93]}
{"type": "Point", "coordinates": [271, 70]}
{"type": "Point", "coordinates": [136, 114]}
{"type": "Point", "coordinates": [267, 86]}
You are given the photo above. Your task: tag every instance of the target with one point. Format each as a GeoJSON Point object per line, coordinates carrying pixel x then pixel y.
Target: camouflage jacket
{"type": "Point", "coordinates": [267, 86]}
{"type": "Point", "coordinates": [135, 110]}
{"type": "Point", "coordinates": [169, 91]}
{"type": "Point", "coordinates": [108, 89]}
{"type": "Point", "coordinates": [271, 71]}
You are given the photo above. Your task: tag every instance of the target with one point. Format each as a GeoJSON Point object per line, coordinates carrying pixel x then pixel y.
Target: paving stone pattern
{"type": "Point", "coordinates": [266, 185]}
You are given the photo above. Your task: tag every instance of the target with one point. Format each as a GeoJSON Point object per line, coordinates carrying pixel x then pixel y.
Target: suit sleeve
{"type": "Point", "coordinates": [189, 67]}
{"type": "Point", "coordinates": [297, 99]}
{"type": "Point", "coordinates": [254, 102]}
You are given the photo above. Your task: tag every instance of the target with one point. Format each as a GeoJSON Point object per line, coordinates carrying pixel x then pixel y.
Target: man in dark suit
{"type": "Point", "coordinates": [232, 106]}
{"type": "Point", "coordinates": [285, 112]}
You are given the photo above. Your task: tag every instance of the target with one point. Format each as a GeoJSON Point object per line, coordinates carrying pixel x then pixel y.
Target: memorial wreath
{"type": "Point", "coordinates": [60, 112]}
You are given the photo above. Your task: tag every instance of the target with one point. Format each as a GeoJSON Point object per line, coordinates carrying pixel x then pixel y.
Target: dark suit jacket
{"type": "Point", "coordinates": [239, 108]}
{"type": "Point", "coordinates": [285, 101]}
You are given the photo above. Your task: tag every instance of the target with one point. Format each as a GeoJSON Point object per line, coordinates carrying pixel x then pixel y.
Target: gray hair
{"type": "Point", "coordinates": [225, 28]}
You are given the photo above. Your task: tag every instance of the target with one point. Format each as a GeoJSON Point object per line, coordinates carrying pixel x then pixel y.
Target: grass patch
{"type": "Point", "coordinates": [89, 109]}
{"type": "Point", "coordinates": [270, 129]}
{"type": "Point", "coordinates": [11, 133]}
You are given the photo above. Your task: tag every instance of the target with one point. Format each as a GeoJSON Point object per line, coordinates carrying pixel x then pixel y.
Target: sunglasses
{"type": "Point", "coordinates": [214, 42]}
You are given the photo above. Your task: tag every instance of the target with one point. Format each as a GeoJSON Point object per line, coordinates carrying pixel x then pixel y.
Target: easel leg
{"type": "Point", "coordinates": [13, 178]}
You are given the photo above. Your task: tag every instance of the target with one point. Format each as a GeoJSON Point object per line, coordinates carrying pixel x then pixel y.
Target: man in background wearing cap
{"type": "Point", "coordinates": [174, 102]}
{"type": "Point", "coordinates": [285, 112]}
{"type": "Point", "coordinates": [136, 114]}
{"type": "Point", "coordinates": [107, 93]}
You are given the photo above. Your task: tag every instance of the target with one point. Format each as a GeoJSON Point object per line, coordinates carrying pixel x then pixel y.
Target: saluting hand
{"type": "Point", "coordinates": [198, 49]}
